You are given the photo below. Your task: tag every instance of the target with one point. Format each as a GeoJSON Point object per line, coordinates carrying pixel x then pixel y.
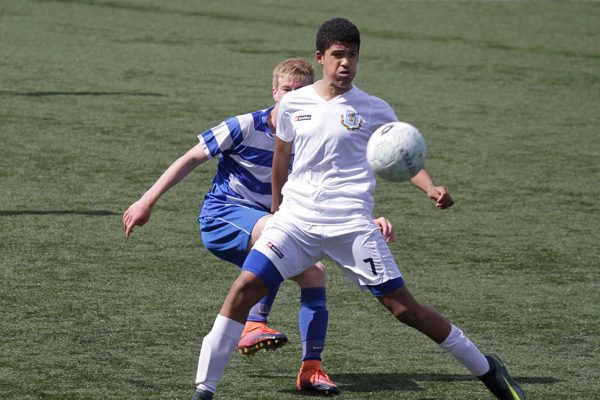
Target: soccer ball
{"type": "Point", "coordinates": [396, 151]}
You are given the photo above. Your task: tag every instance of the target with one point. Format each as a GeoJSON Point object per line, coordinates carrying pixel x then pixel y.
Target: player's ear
{"type": "Point", "coordinates": [274, 93]}
{"type": "Point", "coordinates": [319, 57]}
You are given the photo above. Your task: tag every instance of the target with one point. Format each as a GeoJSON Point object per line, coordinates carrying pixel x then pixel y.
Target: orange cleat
{"type": "Point", "coordinates": [258, 336]}
{"type": "Point", "coordinates": [312, 378]}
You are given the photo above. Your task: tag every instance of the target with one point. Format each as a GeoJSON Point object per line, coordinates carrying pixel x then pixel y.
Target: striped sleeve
{"type": "Point", "coordinates": [222, 137]}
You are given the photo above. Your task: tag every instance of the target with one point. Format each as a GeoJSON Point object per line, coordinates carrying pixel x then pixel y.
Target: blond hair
{"type": "Point", "coordinates": [294, 67]}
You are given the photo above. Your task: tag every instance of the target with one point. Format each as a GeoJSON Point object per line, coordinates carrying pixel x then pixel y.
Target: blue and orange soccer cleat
{"type": "Point", "coordinates": [313, 379]}
{"type": "Point", "coordinates": [258, 336]}
{"type": "Point", "coordinates": [499, 381]}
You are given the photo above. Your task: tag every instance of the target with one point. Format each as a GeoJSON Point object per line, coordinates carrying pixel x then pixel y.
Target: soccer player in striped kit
{"type": "Point", "coordinates": [324, 206]}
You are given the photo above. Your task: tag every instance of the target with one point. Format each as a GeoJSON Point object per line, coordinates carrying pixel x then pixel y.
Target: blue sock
{"type": "Point", "coordinates": [260, 311]}
{"type": "Point", "coordinates": [313, 318]}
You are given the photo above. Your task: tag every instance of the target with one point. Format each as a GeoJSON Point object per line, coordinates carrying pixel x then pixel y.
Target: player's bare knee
{"type": "Point", "coordinates": [403, 313]}
{"type": "Point", "coordinates": [407, 316]}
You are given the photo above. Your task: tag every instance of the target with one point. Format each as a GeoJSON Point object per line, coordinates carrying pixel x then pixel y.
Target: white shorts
{"type": "Point", "coordinates": [359, 248]}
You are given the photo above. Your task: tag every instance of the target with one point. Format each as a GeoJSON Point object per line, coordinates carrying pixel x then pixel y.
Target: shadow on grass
{"type": "Point", "coordinates": [79, 93]}
{"type": "Point", "coordinates": [381, 381]}
{"type": "Point", "coordinates": [88, 213]}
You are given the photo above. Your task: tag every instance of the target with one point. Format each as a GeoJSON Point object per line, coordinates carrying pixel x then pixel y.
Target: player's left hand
{"type": "Point", "coordinates": [386, 228]}
{"type": "Point", "coordinates": [441, 196]}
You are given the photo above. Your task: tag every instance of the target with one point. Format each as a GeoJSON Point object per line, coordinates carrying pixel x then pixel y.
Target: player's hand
{"type": "Point", "coordinates": [386, 228]}
{"type": "Point", "coordinates": [440, 195]}
{"type": "Point", "coordinates": [136, 215]}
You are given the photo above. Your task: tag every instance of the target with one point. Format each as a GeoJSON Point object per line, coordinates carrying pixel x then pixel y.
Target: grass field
{"type": "Point", "coordinates": [97, 97]}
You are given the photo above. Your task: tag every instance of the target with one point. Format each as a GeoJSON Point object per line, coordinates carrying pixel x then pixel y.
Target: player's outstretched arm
{"type": "Point", "coordinates": [281, 162]}
{"type": "Point", "coordinates": [139, 212]}
{"type": "Point", "coordinates": [439, 194]}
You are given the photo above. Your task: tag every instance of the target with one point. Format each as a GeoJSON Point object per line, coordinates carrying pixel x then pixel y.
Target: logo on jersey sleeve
{"type": "Point", "coordinates": [352, 120]}
{"type": "Point", "coordinates": [303, 117]}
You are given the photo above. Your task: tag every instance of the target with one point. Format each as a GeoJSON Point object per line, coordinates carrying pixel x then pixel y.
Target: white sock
{"type": "Point", "coordinates": [217, 348]}
{"type": "Point", "coordinates": [465, 352]}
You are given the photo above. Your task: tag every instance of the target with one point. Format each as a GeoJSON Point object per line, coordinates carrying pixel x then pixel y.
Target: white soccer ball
{"type": "Point", "coordinates": [396, 151]}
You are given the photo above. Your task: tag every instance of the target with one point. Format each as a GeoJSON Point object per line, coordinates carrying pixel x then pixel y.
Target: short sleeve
{"type": "Point", "coordinates": [381, 113]}
{"type": "Point", "coordinates": [285, 129]}
{"type": "Point", "coordinates": [222, 137]}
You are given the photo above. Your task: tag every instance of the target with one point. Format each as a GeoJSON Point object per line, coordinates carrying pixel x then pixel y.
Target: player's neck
{"type": "Point", "coordinates": [271, 118]}
{"type": "Point", "coordinates": [329, 90]}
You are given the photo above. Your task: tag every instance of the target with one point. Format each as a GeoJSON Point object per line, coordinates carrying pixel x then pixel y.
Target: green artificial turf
{"type": "Point", "coordinates": [98, 97]}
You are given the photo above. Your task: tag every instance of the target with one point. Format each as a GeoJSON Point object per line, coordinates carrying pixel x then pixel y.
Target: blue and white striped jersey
{"type": "Point", "coordinates": [245, 146]}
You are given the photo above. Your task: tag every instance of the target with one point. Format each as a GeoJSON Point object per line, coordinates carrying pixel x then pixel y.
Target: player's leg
{"type": "Point", "coordinates": [313, 319]}
{"type": "Point", "coordinates": [227, 231]}
{"type": "Point", "coordinates": [489, 369]}
{"type": "Point", "coordinates": [260, 311]}
{"type": "Point", "coordinates": [281, 241]}
{"type": "Point", "coordinates": [257, 334]}
{"type": "Point", "coordinates": [221, 341]}
{"type": "Point", "coordinates": [313, 315]}
{"type": "Point", "coordinates": [259, 276]}
{"type": "Point", "coordinates": [407, 310]}
{"type": "Point", "coordinates": [372, 265]}
{"type": "Point", "coordinates": [430, 322]}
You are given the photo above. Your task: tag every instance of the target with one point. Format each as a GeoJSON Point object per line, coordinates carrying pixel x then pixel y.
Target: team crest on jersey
{"type": "Point", "coordinates": [352, 120]}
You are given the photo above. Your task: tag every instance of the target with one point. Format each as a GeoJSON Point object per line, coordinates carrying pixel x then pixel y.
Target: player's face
{"type": "Point", "coordinates": [286, 84]}
{"type": "Point", "coordinates": [339, 63]}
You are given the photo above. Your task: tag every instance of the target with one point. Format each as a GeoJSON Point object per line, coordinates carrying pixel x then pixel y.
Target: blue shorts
{"type": "Point", "coordinates": [227, 230]}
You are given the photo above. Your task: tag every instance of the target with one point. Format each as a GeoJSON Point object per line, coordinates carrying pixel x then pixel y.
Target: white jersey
{"type": "Point", "coordinates": [331, 180]}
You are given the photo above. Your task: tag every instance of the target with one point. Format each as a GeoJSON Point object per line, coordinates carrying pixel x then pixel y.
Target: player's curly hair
{"type": "Point", "coordinates": [299, 68]}
{"type": "Point", "coordinates": [337, 30]}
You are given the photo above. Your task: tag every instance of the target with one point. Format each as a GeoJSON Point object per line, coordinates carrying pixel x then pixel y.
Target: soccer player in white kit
{"type": "Point", "coordinates": [236, 208]}
{"type": "Point", "coordinates": [325, 207]}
